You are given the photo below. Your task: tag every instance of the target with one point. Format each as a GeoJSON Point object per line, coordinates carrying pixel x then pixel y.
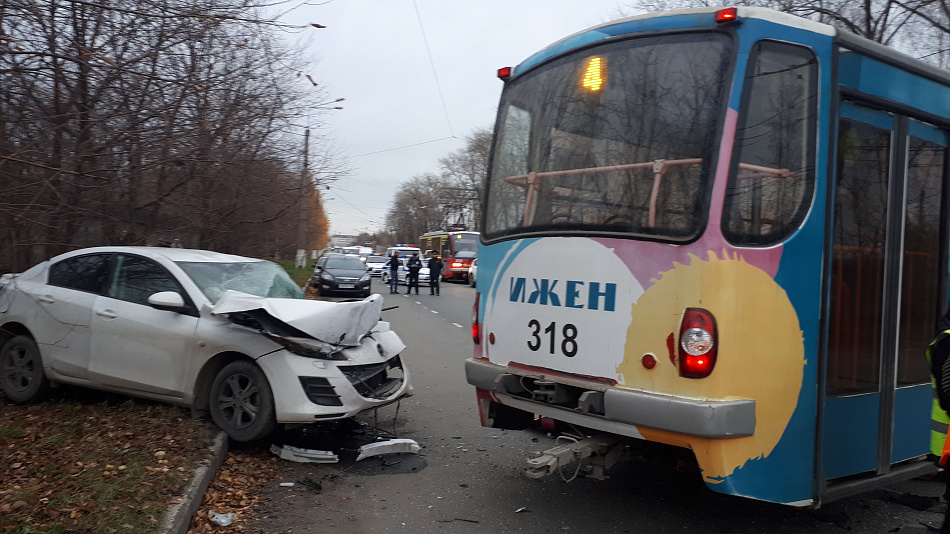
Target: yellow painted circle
{"type": "Point", "coordinates": [760, 353]}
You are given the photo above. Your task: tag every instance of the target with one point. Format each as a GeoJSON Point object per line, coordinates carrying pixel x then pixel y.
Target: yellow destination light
{"type": "Point", "coordinates": [595, 74]}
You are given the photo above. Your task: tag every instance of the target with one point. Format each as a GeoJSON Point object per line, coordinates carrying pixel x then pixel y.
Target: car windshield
{"type": "Point", "coordinates": [375, 259]}
{"type": "Point", "coordinates": [259, 278]}
{"type": "Point", "coordinates": [352, 264]}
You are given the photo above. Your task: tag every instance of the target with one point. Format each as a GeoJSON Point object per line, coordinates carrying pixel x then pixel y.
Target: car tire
{"type": "Point", "coordinates": [21, 371]}
{"type": "Point", "coordinates": [242, 402]}
{"type": "Point", "coordinates": [471, 281]}
{"type": "Point", "coordinates": [384, 278]}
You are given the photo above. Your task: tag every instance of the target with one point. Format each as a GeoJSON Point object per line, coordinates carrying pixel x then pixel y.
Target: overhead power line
{"type": "Point", "coordinates": [435, 74]}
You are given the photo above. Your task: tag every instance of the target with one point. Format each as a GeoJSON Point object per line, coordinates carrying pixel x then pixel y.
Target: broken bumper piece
{"type": "Point", "coordinates": [296, 454]}
{"type": "Point", "coordinates": [387, 447]}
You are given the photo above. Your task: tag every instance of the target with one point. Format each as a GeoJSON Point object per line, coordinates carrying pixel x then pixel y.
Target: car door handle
{"type": "Point", "coordinates": [108, 314]}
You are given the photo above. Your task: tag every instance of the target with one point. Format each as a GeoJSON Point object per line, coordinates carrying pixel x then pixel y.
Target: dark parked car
{"type": "Point", "coordinates": [341, 274]}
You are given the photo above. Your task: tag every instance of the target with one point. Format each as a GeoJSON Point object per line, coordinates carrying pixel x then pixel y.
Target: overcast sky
{"type": "Point", "coordinates": [414, 91]}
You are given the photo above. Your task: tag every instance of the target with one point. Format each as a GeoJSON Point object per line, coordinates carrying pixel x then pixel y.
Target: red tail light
{"type": "Point", "coordinates": [727, 15]}
{"type": "Point", "coordinates": [698, 344]}
{"type": "Point", "coordinates": [476, 335]}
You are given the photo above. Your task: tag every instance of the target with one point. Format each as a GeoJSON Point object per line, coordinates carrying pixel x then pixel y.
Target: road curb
{"type": "Point", "coordinates": [178, 517]}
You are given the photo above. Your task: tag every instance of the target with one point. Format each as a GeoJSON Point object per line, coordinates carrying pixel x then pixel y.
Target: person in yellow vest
{"type": "Point", "coordinates": [938, 356]}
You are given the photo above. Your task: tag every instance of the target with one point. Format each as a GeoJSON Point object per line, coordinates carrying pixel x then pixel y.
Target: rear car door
{"type": "Point", "coordinates": [62, 328]}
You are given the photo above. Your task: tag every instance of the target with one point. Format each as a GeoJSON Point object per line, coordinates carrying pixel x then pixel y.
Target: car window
{"type": "Point", "coordinates": [85, 273]}
{"type": "Point", "coordinates": [136, 279]}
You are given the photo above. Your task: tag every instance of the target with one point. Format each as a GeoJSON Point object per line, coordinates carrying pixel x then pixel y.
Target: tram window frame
{"type": "Point", "coordinates": [745, 220]}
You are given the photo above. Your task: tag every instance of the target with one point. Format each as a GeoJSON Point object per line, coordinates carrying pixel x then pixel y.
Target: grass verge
{"type": "Point", "coordinates": [94, 463]}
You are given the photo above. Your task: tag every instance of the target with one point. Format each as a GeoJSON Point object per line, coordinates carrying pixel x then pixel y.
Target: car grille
{"type": "Point", "coordinates": [319, 391]}
{"type": "Point", "coordinates": [375, 381]}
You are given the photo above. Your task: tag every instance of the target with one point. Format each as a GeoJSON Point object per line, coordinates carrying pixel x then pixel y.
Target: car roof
{"type": "Point", "coordinates": [173, 254]}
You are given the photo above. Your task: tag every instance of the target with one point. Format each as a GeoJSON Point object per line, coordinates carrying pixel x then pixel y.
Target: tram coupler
{"type": "Point", "coordinates": [601, 452]}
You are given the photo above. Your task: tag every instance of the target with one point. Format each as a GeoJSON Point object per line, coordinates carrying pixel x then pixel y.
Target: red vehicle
{"type": "Point", "coordinates": [457, 250]}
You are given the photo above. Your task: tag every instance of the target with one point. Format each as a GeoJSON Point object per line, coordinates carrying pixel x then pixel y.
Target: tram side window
{"type": "Point", "coordinates": [857, 264]}
{"type": "Point", "coordinates": [771, 187]}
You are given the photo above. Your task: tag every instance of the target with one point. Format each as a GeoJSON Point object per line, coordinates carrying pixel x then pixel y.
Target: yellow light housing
{"type": "Point", "coordinates": [595, 75]}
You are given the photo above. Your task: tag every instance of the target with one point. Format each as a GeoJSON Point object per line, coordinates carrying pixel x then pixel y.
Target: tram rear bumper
{"type": "Point", "coordinates": [696, 417]}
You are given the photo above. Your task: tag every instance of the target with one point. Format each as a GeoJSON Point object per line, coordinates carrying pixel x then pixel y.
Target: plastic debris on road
{"type": "Point", "coordinates": [388, 446]}
{"type": "Point", "coordinates": [296, 454]}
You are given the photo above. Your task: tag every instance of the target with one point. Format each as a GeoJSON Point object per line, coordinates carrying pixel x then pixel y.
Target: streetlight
{"type": "Point", "coordinates": [304, 220]}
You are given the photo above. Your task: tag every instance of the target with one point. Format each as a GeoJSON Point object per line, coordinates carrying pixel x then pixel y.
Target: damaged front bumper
{"type": "Point", "coordinates": [338, 358]}
{"type": "Point", "coordinates": [308, 390]}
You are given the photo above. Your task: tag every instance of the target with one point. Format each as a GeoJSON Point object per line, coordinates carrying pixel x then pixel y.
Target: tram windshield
{"type": "Point", "coordinates": [619, 138]}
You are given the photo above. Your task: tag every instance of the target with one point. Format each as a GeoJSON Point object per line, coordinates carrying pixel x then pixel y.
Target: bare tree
{"type": "Point", "coordinates": [134, 121]}
{"type": "Point", "coordinates": [465, 170]}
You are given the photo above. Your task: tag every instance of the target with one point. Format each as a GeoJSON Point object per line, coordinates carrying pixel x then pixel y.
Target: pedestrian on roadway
{"type": "Point", "coordinates": [435, 271]}
{"type": "Point", "coordinates": [393, 265]}
{"type": "Point", "coordinates": [412, 278]}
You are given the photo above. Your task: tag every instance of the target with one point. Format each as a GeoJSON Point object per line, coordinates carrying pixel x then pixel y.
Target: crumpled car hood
{"type": "Point", "coordinates": [335, 323]}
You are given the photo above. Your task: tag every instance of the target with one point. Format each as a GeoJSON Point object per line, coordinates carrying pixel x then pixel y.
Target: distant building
{"type": "Point", "coordinates": [341, 240]}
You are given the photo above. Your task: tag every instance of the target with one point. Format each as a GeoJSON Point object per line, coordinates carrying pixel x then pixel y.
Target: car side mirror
{"type": "Point", "coordinates": [167, 300]}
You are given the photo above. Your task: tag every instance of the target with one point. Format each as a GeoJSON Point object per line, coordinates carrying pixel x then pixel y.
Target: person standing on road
{"type": "Point", "coordinates": [393, 265]}
{"type": "Point", "coordinates": [435, 271]}
{"type": "Point", "coordinates": [938, 356]}
{"type": "Point", "coordinates": [412, 278]}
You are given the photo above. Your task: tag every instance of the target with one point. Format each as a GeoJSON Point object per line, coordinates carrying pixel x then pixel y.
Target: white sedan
{"type": "Point", "coordinates": [223, 334]}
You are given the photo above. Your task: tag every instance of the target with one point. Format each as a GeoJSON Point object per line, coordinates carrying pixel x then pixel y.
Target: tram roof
{"type": "Point", "coordinates": [844, 38]}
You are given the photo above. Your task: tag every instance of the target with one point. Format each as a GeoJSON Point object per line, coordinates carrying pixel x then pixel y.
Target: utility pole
{"type": "Point", "coordinates": [304, 221]}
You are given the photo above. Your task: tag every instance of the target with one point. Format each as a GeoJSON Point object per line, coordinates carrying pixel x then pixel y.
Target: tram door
{"type": "Point", "coordinates": [885, 277]}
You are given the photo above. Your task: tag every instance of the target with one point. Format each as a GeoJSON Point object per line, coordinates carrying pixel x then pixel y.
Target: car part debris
{"type": "Point", "coordinates": [222, 520]}
{"type": "Point", "coordinates": [388, 446]}
{"type": "Point", "coordinates": [602, 452]}
{"type": "Point", "coordinates": [296, 454]}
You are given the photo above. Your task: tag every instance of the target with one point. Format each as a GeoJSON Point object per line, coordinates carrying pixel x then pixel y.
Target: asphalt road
{"type": "Point", "coordinates": [467, 479]}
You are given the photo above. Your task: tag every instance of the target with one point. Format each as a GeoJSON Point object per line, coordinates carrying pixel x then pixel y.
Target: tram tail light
{"type": "Point", "coordinates": [476, 334]}
{"type": "Point", "coordinates": [727, 15]}
{"type": "Point", "coordinates": [698, 344]}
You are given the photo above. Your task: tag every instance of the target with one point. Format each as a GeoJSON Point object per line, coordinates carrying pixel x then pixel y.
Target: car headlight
{"type": "Point", "coordinates": [302, 350]}
{"type": "Point", "coordinates": [364, 278]}
{"type": "Point", "coordinates": [327, 276]}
